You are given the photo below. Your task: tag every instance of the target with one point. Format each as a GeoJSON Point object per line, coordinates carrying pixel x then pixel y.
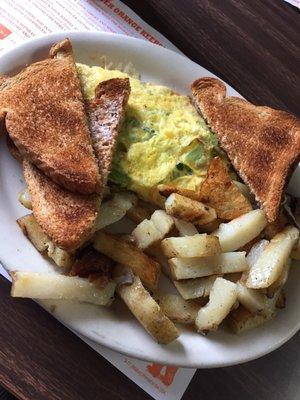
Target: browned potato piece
{"type": "Point", "coordinates": [185, 228]}
{"type": "Point", "coordinates": [148, 312]}
{"type": "Point", "coordinates": [211, 226]}
{"type": "Point", "coordinates": [129, 255]}
{"type": "Point", "coordinates": [43, 243]}
{"type": "Point", "coordinates": [281, 281]}
{"type": "Point", "coordinates": [241, 320]}
{"type": "Point", "coordinates": [178, 309]}
{"type": "Point", "coordinates": [138, 213]}
{"type": "Point", "coordinates": [34, 232]}
{"type": "Point", "coordinates": [195, 288]}
{"type": "Point", "coordinates": [253, 300]}
{"type": "Point", "coordinates": [199, 245]}
{"type": "Point", "coordinates": [296, 251]}
{"type": "Point", "coordinates": [234, 277]}
{"type": "Point", "coordinates": [189, 210]}
{"type": "Point", "coordinates": [197, 267]}
{"type": "Point", "coordinates": [244, 189]}
{"type": "Point", "coordinates": [166, 190]}
{"type": "Point", "coordinates": [280, 303]}
{"type": "Point", "coordinates": [221, 193]}
{"type": "Point", "coordinates": [155, 251]}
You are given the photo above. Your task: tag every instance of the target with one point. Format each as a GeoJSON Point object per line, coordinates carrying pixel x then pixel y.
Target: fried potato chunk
{"type": "Point", "coordinates": [296, 251]}
{"type": "Point", "coordinates": [138, 213]}
{"type": "Point", "coordinates": [115, 209]}
{"type": "Point", "coordinates": [219, 192]}
{"type": "Point", "coordinates": [151, 230]}
{"type": "Point", "coordinates": [25, 199]}
{"type": "Point", "coordinates": [270, 265]}
{"type": "Point", "coordinates": [43, 243]}
{"type": "Point", "coordinates": [222, 297]}
{"type": "Point", "coordinates": [236, 233]}
{"type": "Point", "coordinates": [251, 299]}
{"type": "Point", "coordinates": [189, 210]}
{"type": "Point", "coordinates": [195, 288]}
{"type": "Point", "coordinates": [129, 255]}
{"type": "Point", "coordinates": [185, 228]}
{"type": "Point", "coordinates": [60, 287]}
{"type": "Point", "coordinates": [199, 245]}
{"type": "Point", "coordinates": [147, 311]}
{"type": "Point", "coordinates": [197, 267]}
{"type": "Point", "coordinates": [178, 309]}
{"type": "Point", "coordinates": [167, 190]}
{"type": "Point", "coordinates": [241, 320]}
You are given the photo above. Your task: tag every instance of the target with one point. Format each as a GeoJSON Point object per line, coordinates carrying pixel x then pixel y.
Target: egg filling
{"type": "Point", "coordinates": [162, 140]}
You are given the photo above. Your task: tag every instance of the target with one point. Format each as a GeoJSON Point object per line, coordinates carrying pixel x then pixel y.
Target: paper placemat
{"type": "Point", "coordinates": [19, 21]}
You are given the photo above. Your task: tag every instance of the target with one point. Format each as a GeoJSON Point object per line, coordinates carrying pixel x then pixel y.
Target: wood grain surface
{"type": "Point", "coordinates": [254, 46]}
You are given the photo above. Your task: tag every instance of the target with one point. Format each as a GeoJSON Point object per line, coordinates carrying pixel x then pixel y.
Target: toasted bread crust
{"type": "Point", "coordinates": [67, 218]}
{"type": "Point", "coordinates": [105, 114]}
{"type": "Point", "coordinates": [263, 144]}
{"type": "Point", "coordinates": [13, 149]}
{"type": "Point", "coordinates": [44, 115]}
{"type": "Point", "coordinates": [3, 130]}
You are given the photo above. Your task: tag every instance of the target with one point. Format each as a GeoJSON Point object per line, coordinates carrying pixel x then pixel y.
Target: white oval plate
{"type": "Point", "coordinates": [114, 327]}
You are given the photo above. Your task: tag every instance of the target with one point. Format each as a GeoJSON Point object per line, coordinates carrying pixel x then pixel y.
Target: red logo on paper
{"type": "Point", "coordinates": [166, 377]}
{"type": "Point", "coordinates": [4, 32]}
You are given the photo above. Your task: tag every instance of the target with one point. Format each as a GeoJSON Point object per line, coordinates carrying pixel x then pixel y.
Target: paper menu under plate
{"type": "Point", "coordinates": [159, 381]}
{"type": "Point", "coordinates": [20, 20]}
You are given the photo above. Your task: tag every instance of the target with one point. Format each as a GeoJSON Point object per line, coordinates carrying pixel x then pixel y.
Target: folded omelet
{"type": "Point", "coordinates": [163, 139]}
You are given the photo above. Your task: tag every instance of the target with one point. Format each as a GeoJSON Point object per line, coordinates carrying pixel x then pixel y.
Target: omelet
{"type": "Point", "coordinates": [163, 139]}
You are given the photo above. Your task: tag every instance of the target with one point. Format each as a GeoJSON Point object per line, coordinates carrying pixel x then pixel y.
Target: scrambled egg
{"type": "Point", "coordinates": [163, 139]}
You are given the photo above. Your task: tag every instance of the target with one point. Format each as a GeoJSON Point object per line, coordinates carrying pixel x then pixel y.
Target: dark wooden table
{"type": "Point", "coordinates": [254, 46]}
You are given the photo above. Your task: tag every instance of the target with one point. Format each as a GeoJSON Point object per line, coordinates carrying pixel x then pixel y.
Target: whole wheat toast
{"type": "Point", "coordinates": [45, 117]}
{"type": "Point", "coordinates": [67, 218]}
{"type": "Point", "coordinates": [263, 144]}
{"type": "Point", "coordinates": [13, 149]}
{"type": "Point", "coordinates": [105, 115]}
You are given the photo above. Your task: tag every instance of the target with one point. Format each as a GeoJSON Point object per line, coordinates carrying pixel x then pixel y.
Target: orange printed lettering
{"type": "Point", "coordinates": [4, 32]}
{"type": "Point", "coordinates": [108, 4]}
{"type": "Point", "coordinates": [162, 372]}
